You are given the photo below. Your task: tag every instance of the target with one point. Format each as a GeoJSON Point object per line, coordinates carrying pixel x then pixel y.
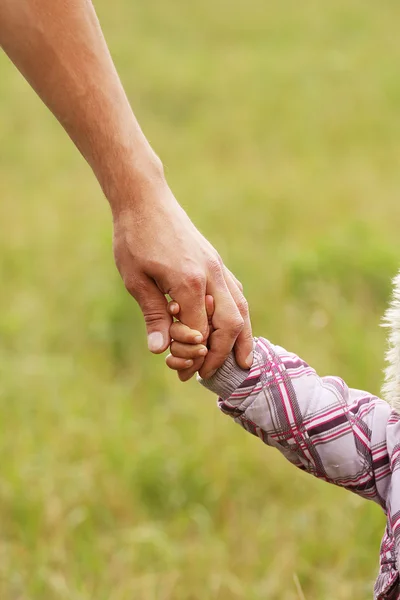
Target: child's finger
{"type": "Point", "coordinates": [173, 308]}
{"type": "Point", "coordinates": [209, 307]}
{"type": "Point", "coordinates": [187, 335]}
{"type": "Point", "coordinates": [210, 312]}
{"type": "Point", "coordinates": [182, 333]}
{"type": "Point", "coordinates": [186, 374]}
{"type": "Point", "coordinates": [178, 364]}
{"type": "Point", "coordinates": [188, 350]}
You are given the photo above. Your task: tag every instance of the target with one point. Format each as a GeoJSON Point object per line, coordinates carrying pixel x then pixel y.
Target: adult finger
{"type": "Point", "coordinates": [244, 344]}
{"type": "Point", "coordinates": [189, 295]}
{"type": "Point", "coordinates": [154, 308]}
{"type": "Point", "coordinates": [226, 321]}
{"type": "Point", "coordinates": [235, 279]}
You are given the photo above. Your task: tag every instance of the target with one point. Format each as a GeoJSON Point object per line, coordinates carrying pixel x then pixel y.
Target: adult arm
{"type": "Point", "coordinates": [59, 47]}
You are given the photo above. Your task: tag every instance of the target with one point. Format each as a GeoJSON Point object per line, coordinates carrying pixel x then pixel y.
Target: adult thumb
{"type": "Point", "coordinates": [157, 319]}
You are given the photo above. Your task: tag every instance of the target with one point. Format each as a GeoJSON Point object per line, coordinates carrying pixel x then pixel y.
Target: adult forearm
{"type": "Point", "coordinates": [59, 47]}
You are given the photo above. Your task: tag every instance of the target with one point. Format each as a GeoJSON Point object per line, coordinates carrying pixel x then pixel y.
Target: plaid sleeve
{"type": "Point", "coordinates": [344, 436]}
{"type": "Point", "coordinates": [336, 433]}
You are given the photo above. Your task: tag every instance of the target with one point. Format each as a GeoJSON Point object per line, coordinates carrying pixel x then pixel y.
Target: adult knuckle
{"type": "Point", "coordinates": [152, 315]}
{"type": "Point", "coordinates": [130, 284]}
{"type": "Point", "coordinates": [118, 261]}
{"type": "Point", "coordinates": [214, 264]}
{"type": "Point", "coordinates": [236, 326]}
{"type": "Point", "coordinates": [243, 306]}
{"type": "Point", "coordinates": [195, 280]}
{"type": "Point", "coordinates": [240, 285]}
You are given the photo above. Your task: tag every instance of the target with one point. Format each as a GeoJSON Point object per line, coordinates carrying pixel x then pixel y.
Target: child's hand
{"type": "Point", "coordinates": [187, 344]}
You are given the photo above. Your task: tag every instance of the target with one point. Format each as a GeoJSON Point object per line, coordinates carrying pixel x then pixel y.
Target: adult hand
{"type": "Point", "coordinates": [60, 49]}
{"type": "Point", "coordinates": [159, 251]}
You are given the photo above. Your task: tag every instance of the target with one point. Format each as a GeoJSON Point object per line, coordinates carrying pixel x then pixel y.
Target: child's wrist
{"type": "Point", "coordinates": [227, 378]}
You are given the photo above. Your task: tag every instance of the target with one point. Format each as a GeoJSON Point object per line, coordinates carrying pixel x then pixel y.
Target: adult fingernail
{"type": "Point", "coordinates": [155, 341]}
{"type": "Point", "coordinates": [189, 363]}
{"type": "Point", "coordinates": [249, 360]}
{"type": "Point", "coordinates": [198, 339]}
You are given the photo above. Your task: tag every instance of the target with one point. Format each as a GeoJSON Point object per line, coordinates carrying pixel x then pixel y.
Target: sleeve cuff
{"type": "Point", "coordinates": [227, 379]}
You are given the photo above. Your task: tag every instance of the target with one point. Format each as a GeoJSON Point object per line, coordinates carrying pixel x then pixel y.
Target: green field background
{"type": "Point", "coordinates": [279, 126]}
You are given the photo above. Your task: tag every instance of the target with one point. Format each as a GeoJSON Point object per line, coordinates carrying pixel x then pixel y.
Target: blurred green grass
{"type": "Point", "coordinates": [279, 126]}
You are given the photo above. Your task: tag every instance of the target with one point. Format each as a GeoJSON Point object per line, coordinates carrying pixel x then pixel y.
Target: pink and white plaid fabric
{"type": "Point", "coordinates": [341, 435]}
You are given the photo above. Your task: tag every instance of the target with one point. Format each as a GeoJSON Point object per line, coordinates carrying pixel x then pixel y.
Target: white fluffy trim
{"type": "Point", "coordinates": [391, 320]}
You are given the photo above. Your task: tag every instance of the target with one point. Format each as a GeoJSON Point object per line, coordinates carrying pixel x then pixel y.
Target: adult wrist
{"type": "Point", "coordinates": [137, 178]}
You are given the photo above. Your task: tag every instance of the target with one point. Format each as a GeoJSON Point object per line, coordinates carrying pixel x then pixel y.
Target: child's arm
{"type": "Point", "coordinates": [341, 435]}
{"type": "Point", "coordinates": [318, 423]}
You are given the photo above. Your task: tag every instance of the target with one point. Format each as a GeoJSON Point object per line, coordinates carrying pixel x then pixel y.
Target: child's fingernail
{"type": "Point", "coordinates": [249, 359]}
{"type": "Point", "coordinates": [155, 341]}
{"type": "Point", "coordinates": [189, 363]}
{"type": "Point", "coordinates": [198, 339]}
{"type": "Point", "coordinates": [203, 351]}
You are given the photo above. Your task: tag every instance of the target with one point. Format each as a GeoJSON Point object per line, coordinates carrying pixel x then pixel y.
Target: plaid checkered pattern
{"type": "Point", "coordinates": [341, 435]}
